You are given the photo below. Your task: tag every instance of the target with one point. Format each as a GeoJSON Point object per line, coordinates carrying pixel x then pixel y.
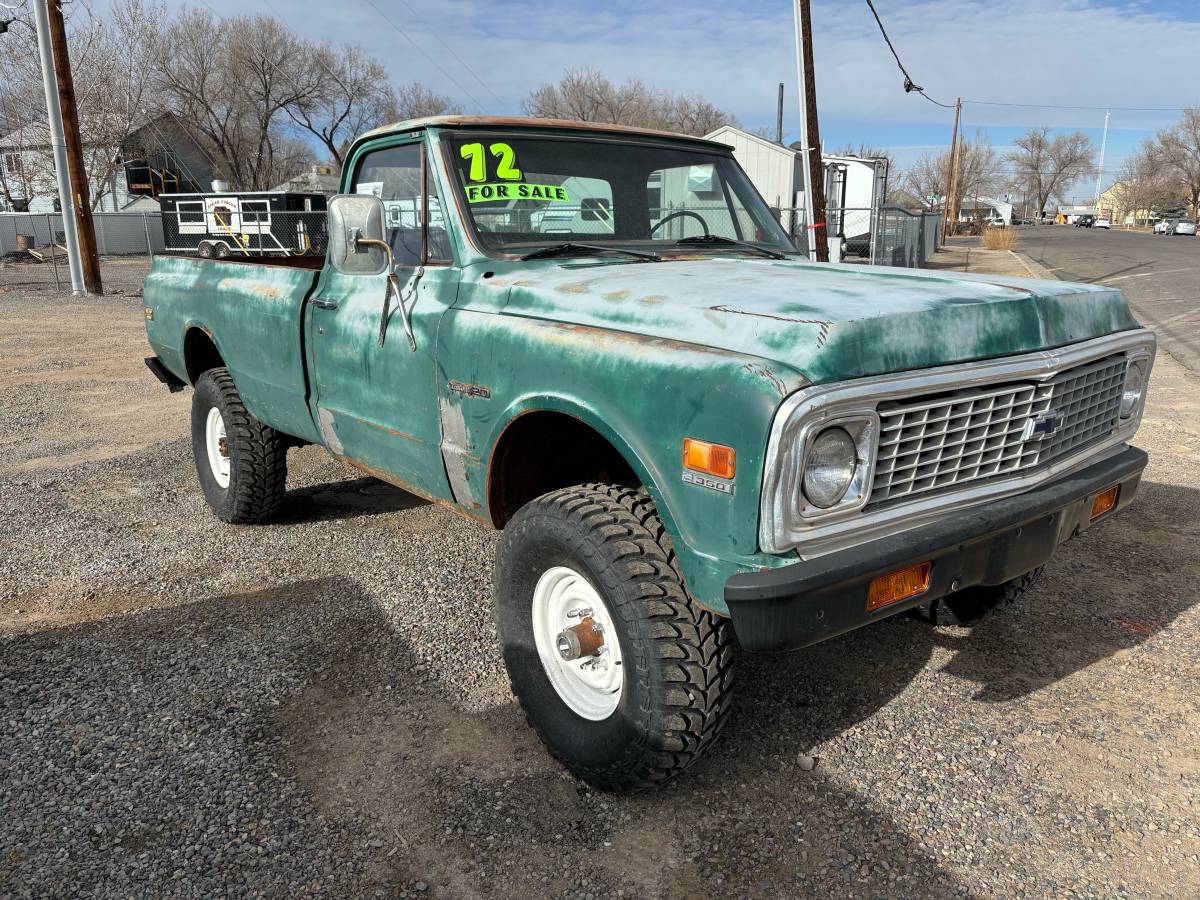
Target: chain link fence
{"type": "Point", "coordinates": [31, 244]}
{"type": "Point", "coordinates": [889, 236]}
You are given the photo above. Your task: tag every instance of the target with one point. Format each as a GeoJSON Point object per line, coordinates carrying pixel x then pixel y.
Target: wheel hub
{"type": "Point", "coordinates": [576, 641]}
{"type": "Point", "coordinates": [217, 444]}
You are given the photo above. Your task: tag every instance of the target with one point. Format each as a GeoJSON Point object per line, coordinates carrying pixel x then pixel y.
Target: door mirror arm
{"type": "Point", "coordinates": [392, 286]}
{"type": "Point", "coordinates": [356, 232]}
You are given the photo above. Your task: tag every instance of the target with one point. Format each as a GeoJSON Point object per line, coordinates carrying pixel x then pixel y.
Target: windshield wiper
{"type": "Point", "coordinates": [730, 242]}
{"type": "Point", "coordinates": [569, 249]}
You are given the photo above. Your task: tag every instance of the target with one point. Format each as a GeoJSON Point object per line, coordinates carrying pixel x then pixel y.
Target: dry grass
{"type": "Point", "coordinates": [999, 238]}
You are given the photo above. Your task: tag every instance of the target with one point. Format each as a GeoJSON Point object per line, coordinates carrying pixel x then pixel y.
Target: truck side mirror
{"type": "Point", "coordinates": [357, 245]}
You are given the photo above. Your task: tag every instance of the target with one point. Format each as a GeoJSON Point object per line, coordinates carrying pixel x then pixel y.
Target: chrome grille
{"type": "Point", "coordinates": [942, 441]}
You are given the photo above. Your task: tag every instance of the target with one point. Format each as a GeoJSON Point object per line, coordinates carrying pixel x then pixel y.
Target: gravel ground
{"type": "Point", "coordinates": [318, 706]}
{"type": "Point", "coordinates": [121, 275]}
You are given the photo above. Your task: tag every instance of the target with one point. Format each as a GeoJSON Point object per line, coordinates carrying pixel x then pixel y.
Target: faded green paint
{"type": "Point", "coordinates": [253, 314]}
{"type": "Point", "coordinates": [645, 353]}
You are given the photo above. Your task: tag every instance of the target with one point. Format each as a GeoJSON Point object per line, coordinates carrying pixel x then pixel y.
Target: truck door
{"type": "Point", "coordinates": [377, 406]}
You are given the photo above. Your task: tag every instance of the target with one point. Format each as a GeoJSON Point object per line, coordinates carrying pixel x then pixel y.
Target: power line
{"type": "Point", "coordinates": [487, 87]}
{"type": "Point", "coordinates": [909, 85]}
{"type": "Point", "coordinates": [421, 50]}
{"type": "Point", "coordinates": [1068, 106]}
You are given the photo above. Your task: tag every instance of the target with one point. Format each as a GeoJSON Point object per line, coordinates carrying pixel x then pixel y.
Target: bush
{"type": "Point", "coordinates": [999, 238]}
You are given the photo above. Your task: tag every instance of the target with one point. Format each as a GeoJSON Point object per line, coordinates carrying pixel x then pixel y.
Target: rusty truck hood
{"type": "Point", "coordinates": [828, 322]}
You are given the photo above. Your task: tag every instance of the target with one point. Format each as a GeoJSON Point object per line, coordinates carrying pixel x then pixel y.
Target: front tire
{"type": "Point", "coordinates": [648, 701]}
{"type": "Point", "coordinates": [241, 463]}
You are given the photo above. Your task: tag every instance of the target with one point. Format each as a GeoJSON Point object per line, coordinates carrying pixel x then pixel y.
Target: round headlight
{"type": "Point", "coordinates": [1135, 383]}
{"type": "Point", "coordinates": [829, 468]}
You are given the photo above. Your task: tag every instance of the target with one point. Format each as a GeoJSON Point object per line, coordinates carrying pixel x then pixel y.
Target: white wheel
{"type": "Point", "coordinates": [566, 606]}
{"type": "Point", "coordinates": [218, 446]}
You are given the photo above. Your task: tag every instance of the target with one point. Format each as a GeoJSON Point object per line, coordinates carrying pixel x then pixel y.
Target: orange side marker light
{"type": "Point", "coordinates": [712, 459]}
{"type": "Point", "coordinates": [1105, 501]}
{"type": "Point", "coordinates": [899, 585]}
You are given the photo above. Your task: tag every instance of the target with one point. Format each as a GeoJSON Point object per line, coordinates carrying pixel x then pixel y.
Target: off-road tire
{"type": "Point", "coordinates": [257, 454]}
{"type": "Point", "coordinates": [973, 604]}
{"type": "Point", "coordinates": [678, 658]}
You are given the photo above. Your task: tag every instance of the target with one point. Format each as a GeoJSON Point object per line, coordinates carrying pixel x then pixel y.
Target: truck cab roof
{"type": "Point", "coordinates": [458, 121]}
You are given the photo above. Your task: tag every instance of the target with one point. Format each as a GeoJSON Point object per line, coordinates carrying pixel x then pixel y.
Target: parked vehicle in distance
{"type": "Point", "coordinates": [1163, 226]}
{"type": "Point", "coordinates": [1102, 222]}
{"type": "Point", "coordinates": [685, 429]}
{"type": "Point", "coordinates": [1185, 226]}
{"type": "Point", "coordinates": [1085, 221]}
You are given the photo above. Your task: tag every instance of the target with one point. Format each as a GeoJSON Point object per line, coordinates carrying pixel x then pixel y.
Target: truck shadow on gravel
{"type": "Point", "coordinates": [346, 499]}
{"type": "Point", "coordinates": [292, 741]}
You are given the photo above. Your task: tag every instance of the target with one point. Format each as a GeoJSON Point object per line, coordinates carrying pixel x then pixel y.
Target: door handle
{"type": "Point", "coordinates": [322, 303]}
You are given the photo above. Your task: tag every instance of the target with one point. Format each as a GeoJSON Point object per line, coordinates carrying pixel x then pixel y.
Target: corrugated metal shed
{"type": "Point", "coordinates": [773, 168]}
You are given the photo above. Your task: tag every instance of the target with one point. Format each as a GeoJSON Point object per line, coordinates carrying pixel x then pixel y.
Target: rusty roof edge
{"type": "Point", "coordinates": [457, 121]}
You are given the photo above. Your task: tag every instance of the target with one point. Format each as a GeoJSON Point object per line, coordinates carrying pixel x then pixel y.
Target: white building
{"type": "Point", "coordinates": [159, 156]}
{"type": "Point", "coordinates": [854, 187]}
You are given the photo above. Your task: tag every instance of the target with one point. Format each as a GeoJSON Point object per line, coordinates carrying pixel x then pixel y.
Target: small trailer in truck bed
{"type": "Point", "coordinates": [249, 224]}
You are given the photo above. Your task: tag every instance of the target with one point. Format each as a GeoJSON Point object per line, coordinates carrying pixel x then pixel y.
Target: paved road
{"type": "Point", "coordinates": [1160, 276]}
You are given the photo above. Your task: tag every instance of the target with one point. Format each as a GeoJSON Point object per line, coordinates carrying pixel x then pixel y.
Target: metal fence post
{"type": "Point", "coordinates": [53, 252]}
{"type": "Point", "coordinates": [146, 230]}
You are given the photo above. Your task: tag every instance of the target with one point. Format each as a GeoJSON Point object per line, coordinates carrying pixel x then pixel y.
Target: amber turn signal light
{"type": "Point", "coordinates": [712, 459]}
{"type": "Point", "coordinates": [899, 585]}
{"type": "Point", "coordinates": [1105, 501]}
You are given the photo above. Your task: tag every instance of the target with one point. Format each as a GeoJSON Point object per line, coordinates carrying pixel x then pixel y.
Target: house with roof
{"type": "Point", "coordinates": [160, 156]}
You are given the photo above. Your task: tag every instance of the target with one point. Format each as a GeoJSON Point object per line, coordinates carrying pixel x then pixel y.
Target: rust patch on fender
{"type": "Point", "coordinates": [573, 287]}
{"type": "Point", "coordinates": [653, 299]}
{"type": "Point", "coordinates": [616, 295]}
{"type": "Point", "coordinates": [767, 374]}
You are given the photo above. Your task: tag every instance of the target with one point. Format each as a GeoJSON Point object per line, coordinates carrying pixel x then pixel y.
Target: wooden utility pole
{"type": "Point", "coordinates": [952, 176]}
{"type": "Point", "coordinates": [80, 195]}
{"type": "Point", "coordinates": [951, 172]}
{"type": "Point", "coordinates": [811, 134]}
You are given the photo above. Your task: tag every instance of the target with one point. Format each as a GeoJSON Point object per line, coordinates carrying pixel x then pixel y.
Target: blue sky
{"type": "Point", "coordinates": [487, 54]}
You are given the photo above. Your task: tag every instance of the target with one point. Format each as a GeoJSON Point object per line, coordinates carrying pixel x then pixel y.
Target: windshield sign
{"type": "Point", "coordinates": [523, 193]}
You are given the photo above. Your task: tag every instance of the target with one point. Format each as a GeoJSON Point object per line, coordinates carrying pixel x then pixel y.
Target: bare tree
{"type": "Point", "coordinates": [235, 79]}
{"type": "Point", "coordinates": [1046, 167]}
{"type": "Point", "coordinates": [1145, 185]}
{"type": "Point", "coordinates": [113, 61]}
{"type": "Point", "coordinates": [866, 151]}
{"type": "Point", "coordinates": [929, 173]}
{"type": "Point", "coordinates": [352, 97]}
{"type": "Point", "coordinates": [414, 101]}
{"type": "Point", "coordinates": [1178, 149]}
{"type": "Point", "coordinates": [925, 178]}
{"type": "Point", "coordinates": [588, 96]}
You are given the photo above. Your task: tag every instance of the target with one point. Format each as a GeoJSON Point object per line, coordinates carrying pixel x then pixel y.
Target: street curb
{"type": "Point", "coordinates": [1036, 269]}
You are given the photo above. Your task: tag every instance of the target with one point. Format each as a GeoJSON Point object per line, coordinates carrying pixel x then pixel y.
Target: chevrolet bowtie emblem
{"type": "Point", "coordinates": [1038, 427]}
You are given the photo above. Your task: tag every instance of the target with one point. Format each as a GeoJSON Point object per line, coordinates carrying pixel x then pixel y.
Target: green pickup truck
{"type": "Point", "coordinates": [600, 340]}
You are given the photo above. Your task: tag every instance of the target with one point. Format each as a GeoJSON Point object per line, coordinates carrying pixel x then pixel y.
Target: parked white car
{"type": "Point", "coordinates": [1185, 226]}
{"type": "Point", "coordinates": [1102, 223]}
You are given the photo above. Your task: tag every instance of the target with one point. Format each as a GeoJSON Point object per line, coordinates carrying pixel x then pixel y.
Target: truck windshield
{"type": "Point", "coordinates": [521, 193]}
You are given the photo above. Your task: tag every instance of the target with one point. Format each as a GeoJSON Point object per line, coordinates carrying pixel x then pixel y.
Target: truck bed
{"type": "Point", "coordinates": [252, 312]}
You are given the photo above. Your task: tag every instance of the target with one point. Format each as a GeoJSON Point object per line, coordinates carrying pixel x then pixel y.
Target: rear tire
{"type": "Point", "coordinates": [974, 604]}
{"type": "Point", "coordinates": [205, 250]}
{"type": "Point", "coordinates": [603, 547]}
{"type": "Point", "coordinates": [241, 463]}
{"type": "Point", "coordinates": [221, 250]}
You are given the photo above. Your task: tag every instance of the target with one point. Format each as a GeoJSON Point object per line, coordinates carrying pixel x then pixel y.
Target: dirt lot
{"type": "Point", "coordinates": [318, 706]}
